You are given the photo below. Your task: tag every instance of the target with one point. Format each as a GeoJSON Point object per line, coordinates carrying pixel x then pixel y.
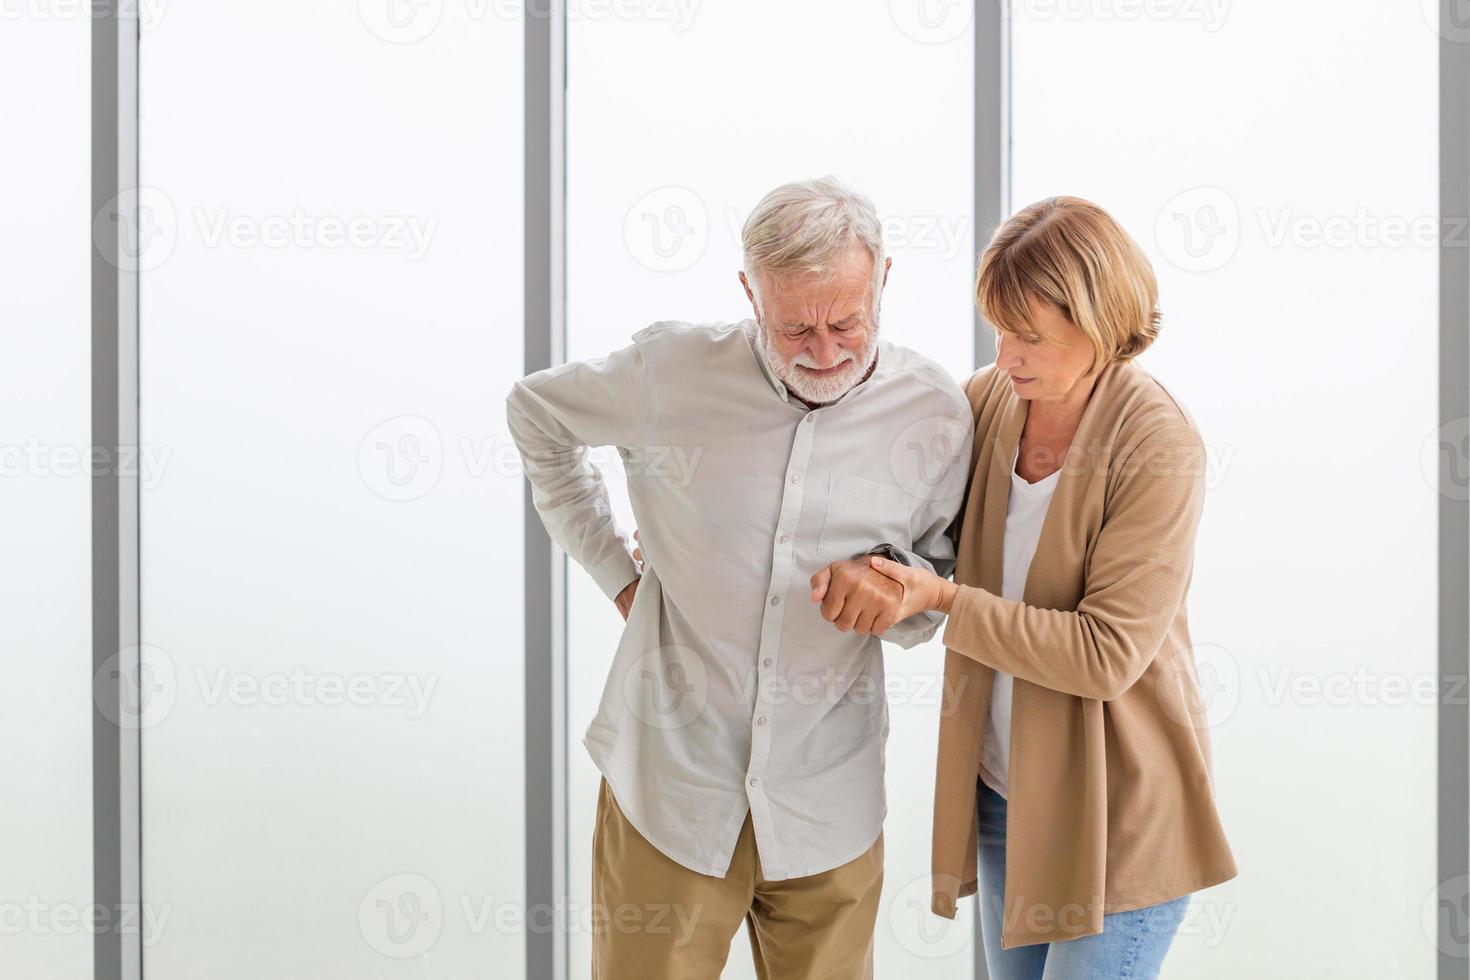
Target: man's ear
{"type": "Point", "coordinates": [750, 295]}
{"type": "Point", "coordinates": [887, 264]}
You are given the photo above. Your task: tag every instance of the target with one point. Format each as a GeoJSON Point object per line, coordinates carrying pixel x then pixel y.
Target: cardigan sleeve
{"type": "Point", "coordinates": [1137, 577]}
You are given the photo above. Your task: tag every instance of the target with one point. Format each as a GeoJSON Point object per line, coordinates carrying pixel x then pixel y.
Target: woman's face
{"type": "Point", "coordinates": [1055, 368]}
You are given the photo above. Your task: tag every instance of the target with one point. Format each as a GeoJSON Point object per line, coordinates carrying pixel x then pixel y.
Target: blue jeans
{"type": "Point", "coordinates": [1132, 944]}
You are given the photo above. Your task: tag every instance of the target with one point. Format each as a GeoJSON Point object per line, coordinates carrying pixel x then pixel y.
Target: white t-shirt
{"type": "Point", "coordinates": [1025, 513]}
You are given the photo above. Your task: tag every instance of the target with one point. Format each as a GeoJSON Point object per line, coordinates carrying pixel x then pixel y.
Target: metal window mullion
{"type": "Point", "coordinates": [992, 141]}
{"type": "Point", "coordinates": [992, 203]}
{"type": "Point", "coordinates": [116, 755]}
{"type": "Point", "coordinates": [1453, 849]}
{"type": "Point", "coordinates": [545, 565]}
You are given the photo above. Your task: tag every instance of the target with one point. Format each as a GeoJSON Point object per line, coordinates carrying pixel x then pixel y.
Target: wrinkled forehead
{"type": "Point", "coordinates": [829, 296]}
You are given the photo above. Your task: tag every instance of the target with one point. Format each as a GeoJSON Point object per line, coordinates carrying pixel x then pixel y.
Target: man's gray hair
{"type": "Point", "coordinates": [802, 228]}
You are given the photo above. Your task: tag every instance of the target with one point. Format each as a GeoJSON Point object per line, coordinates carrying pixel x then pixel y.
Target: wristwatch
{"type": "Point", "coordinates": [888, 551]}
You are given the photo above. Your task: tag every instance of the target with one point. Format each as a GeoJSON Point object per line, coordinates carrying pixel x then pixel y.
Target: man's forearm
{"type": "Point", "coordinates": [568, 491]}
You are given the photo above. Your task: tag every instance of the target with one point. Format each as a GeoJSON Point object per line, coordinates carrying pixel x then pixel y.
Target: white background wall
{"type": "Point", "coordinates": [331, 320]}
{"type": "Point", "coordinates": [45, 508]}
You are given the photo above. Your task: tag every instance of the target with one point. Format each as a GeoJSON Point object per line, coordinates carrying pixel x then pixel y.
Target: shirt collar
{"type": "Point", "coordinates": [750, 327]}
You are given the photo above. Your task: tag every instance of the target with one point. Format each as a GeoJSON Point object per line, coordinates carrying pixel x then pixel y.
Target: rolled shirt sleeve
{"type": "Point", "coordinates": [555, 416]}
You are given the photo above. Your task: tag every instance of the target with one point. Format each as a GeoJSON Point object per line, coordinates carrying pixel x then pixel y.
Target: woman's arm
{"type": "Point", "coordinates": [1140, 570]}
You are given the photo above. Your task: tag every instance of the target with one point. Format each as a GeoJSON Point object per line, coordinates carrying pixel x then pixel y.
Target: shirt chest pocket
{"type": "Point", "coordinates": [862, 513]}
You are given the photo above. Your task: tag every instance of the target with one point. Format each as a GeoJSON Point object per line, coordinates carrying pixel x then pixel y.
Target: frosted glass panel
{"type": "Point", "coordinates": [1286, 194]}
{"type": "Point", "coordinates": [332, 595]}
{"type": "Point", "coordinates": [45, 497]}
{"type": "Point", "coordinates": [679, 120]}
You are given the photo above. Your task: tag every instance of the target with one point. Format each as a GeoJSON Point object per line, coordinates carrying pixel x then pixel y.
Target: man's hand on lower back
{"type": "Point", "coordinates": [624, 601]}
{"type": "Point", "coordinates": [854, 596]}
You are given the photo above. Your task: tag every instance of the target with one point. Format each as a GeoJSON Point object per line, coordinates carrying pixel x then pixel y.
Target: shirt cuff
{"type": "Point", "coordinates": [614, 572]}
{"type": "Point", "coordinates": [915, 560]}
{"type": "Point", "coordinates": [918, 628]}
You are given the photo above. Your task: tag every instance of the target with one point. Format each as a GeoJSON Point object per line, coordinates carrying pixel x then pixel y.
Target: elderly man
{"type": "Point", "coordinates": [740, 737]}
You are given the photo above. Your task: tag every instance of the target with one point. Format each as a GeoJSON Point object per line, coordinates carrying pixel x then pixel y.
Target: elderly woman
{"type": "Point", "coordinates": [1070, 689]}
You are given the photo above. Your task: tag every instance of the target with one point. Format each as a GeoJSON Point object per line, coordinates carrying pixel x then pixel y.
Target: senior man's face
{"type": "Point", "coordinates": [819, 333]}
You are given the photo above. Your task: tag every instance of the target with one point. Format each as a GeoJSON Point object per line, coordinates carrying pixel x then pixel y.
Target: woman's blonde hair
{"type": "Point", "coordinates": [1072, 255]}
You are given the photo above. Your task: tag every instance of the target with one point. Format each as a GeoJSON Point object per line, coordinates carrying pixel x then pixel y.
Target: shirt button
{"type": "Point", "coordinates": [784, 538]}
{"type": "Point", "coordinates": [761, 720]}
{"type": "Point", "coordinates": [796, 478]}
{"type": "Point", "coordinates": [754, 781]}
{"type": "Point", "coordinates": [775, 600]}
{"type": "Point", "coordinates": [810, 418]}
{"type": "Point", "coordinates": [766, 662]}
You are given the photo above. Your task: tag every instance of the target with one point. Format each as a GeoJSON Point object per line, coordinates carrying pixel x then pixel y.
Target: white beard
{"type": "Point", "coordinates": [819, 390]}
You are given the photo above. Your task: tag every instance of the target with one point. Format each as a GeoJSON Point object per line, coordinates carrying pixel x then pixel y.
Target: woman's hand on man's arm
{"type": "Point", "coordinates": [922, 589]}
{"type": "Point", "coordinates": [872, 593]}
{"type": "Point", "coordinates": [854, 597]}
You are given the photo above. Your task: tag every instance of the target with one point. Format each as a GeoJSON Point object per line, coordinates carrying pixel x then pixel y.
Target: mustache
{"type": "Point", "coordinates": [806, 360]}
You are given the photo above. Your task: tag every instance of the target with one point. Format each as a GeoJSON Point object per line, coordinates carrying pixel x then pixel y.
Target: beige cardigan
{"type": "Point", "coordinates": [1111, 805]}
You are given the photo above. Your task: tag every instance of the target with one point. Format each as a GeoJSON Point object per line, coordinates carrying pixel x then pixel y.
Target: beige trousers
{"type": "Point", "coordinates": [654, 919]}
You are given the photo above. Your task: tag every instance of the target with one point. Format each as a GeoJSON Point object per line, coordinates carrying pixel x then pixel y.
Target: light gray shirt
{"type": "Point", "coordinates": [729, 693]}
